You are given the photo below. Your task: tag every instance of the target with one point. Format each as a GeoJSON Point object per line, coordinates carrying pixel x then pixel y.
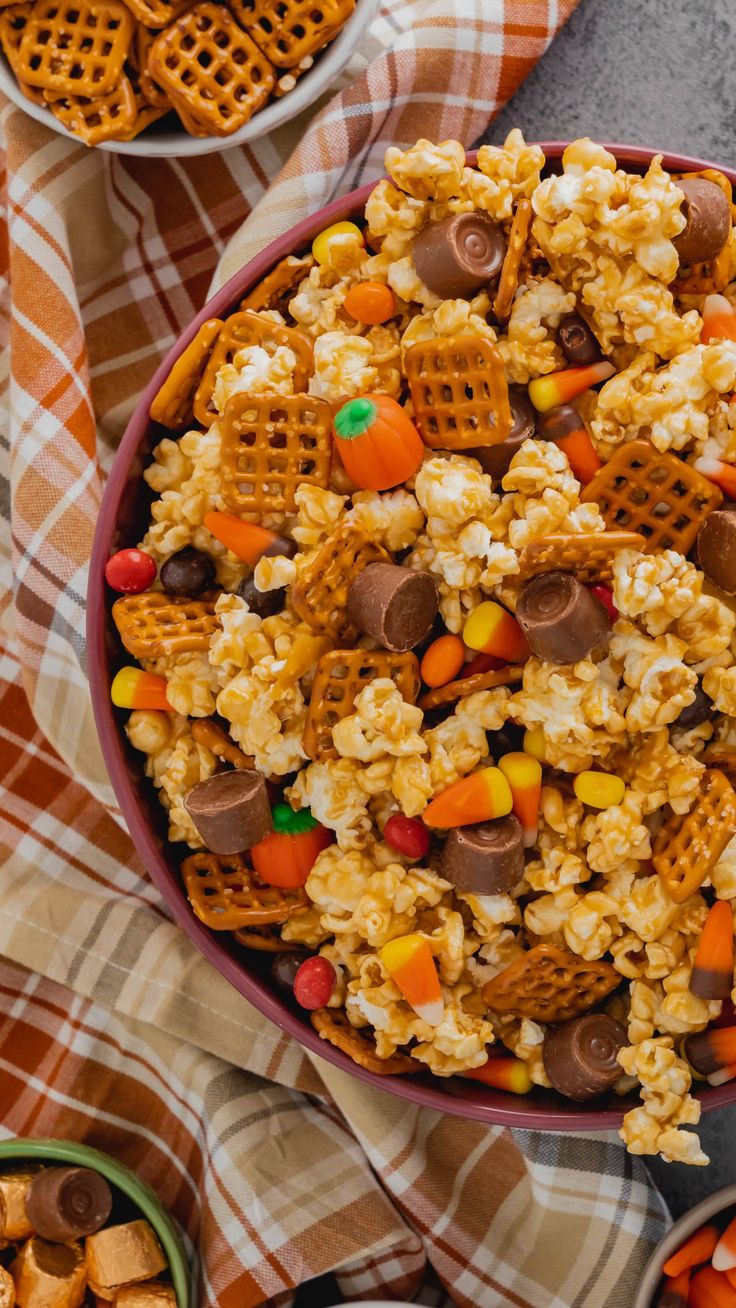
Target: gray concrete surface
{"type": "Point", "coordinates": [648, 72]}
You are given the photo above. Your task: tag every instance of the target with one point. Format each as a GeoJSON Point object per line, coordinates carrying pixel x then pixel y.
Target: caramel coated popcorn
{"type": "Point", "coordinates": [340, 694]}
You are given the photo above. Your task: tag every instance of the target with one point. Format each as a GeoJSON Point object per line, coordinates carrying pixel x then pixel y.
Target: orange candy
{"type": "Point", "coordinates": [581, 455]}
{"type": "Point", "coordinates": [410, 964]}
{"type": "Point", "coordinates": [132, 688]}
{"type": "Point", "coordinates": [722, 474]}
{"type": "Point", "coordinates": [378, 444]}
{"type": "Point", "coordinates": [524, 775]}
{"type": "Point", "coordinates": [442, 661]}
{"type": "Point", "coordinates": [712, 974]}
{"type": "Point", "coordinates": [724, 1255]}
{"type": "Point", "coordinates": [245, 539]}
{"type": "Point", "coordinates": [370, 302]}
{"type": "Point", "coordinates": [697, 1249]}
{"type": "Point", "coordinates": [711, 1289]}
{"type": "Point", "coordinates": [493, 630]}
{"type": "Point", "coordinates": [477, 798]}
{"type": "Point", "coordinates": [719, 320]}
{"type": "Point", "coordinates": [503, 1074]}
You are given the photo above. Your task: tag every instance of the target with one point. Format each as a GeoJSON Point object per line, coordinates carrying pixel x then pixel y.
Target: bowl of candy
{"type": "Point", "coordinates": [79, 1223]}
{"type": "Point", "coordinates": [694, 1266]}
{"type": "Point", "coordinates": [412, 696]}
{"type": "Point", "coordinates": [175, 78]}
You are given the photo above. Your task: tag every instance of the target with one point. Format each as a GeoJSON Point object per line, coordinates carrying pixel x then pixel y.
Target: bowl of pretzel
{"type": "Point", "coordinates": [173, 78]}
{"type": "Point", "coordinates": [411, 692]}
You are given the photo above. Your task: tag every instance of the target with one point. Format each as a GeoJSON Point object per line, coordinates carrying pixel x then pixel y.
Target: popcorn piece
{"type": "Point", "coordinates": [655, 672]}
{"type": "Point", "coordinates": [318, 513]}
{"type": "Point", "coordinates": [393, 519]}
{"type": "Point", "coordinates": [667, 1104]}
{"type": "Point", "coordinates": [427, 171]}
{"type": "Point", "coordinates": [508, 172]}
{"type": "Point", "coordinates": [192, 683]}
{"type": "Point", "coordinates": [580, 707]}
{"type": "Point", "coordinates": [382, 723]}
{"type": "Point", "coordinates": [267, 719]}
{"type": "Point", "coordinates": [660, 773]}
{"type": "Point", "coordinates": [546, 495]}
{"type": "Point", "coordinates": [720, 685]}
{"type": "Point", "coordinates": [525, 1039]}
{"type": "Point", "coordinates": [394, 217]}
{"type": "Point", "coordinates": [451, 318]}
{"type": "Point", "coordinates": [343, 367]}
{"type": "Point", "coordinates": [616, 834]}
{"type": "Point", "coordinates": [254, 371]}
{"type": "Point", "coordinates": [174, 762]}
{"type": "Point", "coordinates": [459, 744]}
{"type": "Point", "coordinates": [655, 588]}
{"type": "Point", "coordinates": [353, 894]}
{"type": "Point", "coordinates": [529, 349]}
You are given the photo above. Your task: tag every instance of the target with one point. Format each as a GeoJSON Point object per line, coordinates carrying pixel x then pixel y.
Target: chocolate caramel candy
{"type": "Point", "coordinates": [394, 605]}
{"type": "Point", "coordinates": [716, 548]}
{"type": "Point", "coordinates": [693, 714]}
{"type": "Point", "coordinates": [458, 256]}
{"type": "Point", "coordinates": [49, 1275]}
{"type": "Point", "coordinates": [65, 1203]}
{"type": "Point", "coordinates": [576, 340]}
{"type": "Point", "coordinates": [188, 573]}
{"type": "Point", "coordinates": [230, 810]}
{"type": "Point", "coordinates": [561, 620]}
{"type": "Point", "coordinates": [495, 459]}
{"type": "Point", "coordinates": [123, 1255]}
{"type": "Point", "coordinates": [485, 859]}
{"type": "Point", "coordinates": [708, 224]}
{"type": "Point", "coordinates": [580, 1057]}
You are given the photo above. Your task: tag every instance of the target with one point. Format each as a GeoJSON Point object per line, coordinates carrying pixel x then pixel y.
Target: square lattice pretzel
{"type": "Point", "coordinates": [689, 845]}
{"type": "Point", "coordinates": [275, 290]}
{"type": "Point", "coordinates": [243, 329]}
{"type": "Point", "coordinates": [225, 895]}
{"type": "Point", "coordinates": [172, 405]}
{"type": "Point", "coordinates": [459, 392]}
{"type": "Point", "coordinates": [153, 624]}
{"type": "Point", "coordinates": [549, 984]}
{"type": "Point", "coordinates": [320, 594]}
{"type": "Point", "coordinates": [288, 31]}
{"type": "Point", "coordinates": [588, 555]}
{"type": "Point", "coordinates": [271, 445]}
{"type": "Point", "coordinates": [656, 494]}
{"type": "Point", "coordinates": [210, 66]}
{"type": "Point", "coordinates": [76, 48]}
{"type": "Point", "coordinates": [704, 278]}
{"type": "Point", "coordinates": [334, 1026]}
{"type": "Point", "coordinates": [104, 118]}
{"type": "Point", "coordinates": [341, 675]}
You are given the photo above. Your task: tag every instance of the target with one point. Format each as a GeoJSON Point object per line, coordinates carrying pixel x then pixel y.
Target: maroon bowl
{"type": "Point", "coordinates": [122, 521]}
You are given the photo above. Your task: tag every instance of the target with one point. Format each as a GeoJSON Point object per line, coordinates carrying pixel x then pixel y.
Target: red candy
{"type": "Point", "coordinates": [408, 836]}
{"type": "Point", "coordinates": [604, 595]}
{"type": "Point", "coordinates": [482, 663]}
{"type": "Point", "coordinates": [314, 983]}
{"type": "Point", "coordinates": [130, 571]}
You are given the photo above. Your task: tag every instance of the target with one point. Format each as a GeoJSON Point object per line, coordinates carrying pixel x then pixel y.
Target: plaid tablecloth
{"type": "Point", "coordinates": [278, 1166]}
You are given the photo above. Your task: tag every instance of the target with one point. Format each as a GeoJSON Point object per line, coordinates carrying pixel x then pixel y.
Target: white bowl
{"type": "Point", "coordinates": [175, 143]}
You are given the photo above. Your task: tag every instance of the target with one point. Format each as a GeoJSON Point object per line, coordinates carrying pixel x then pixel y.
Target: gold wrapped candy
{"type": "Point", "coordinates": [49, 1275]}
{"type": "Point", "coordinates": [14, 1223]}
{"type": "Point", "coordinates": [122, 1255]}
{"type": "Point", "coordinates": [153, 1294]}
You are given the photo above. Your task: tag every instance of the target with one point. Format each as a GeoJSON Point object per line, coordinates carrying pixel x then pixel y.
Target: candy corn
{"type": "Point", "coordinates": [712, 1050]}
{"type": "Point", "coordinates": [712, 975]}
{"type": "Point", "coordinates": [731, 1277]}
{"type": "Point", "coordinates": [711, 1289]}
{"type": "Point", "coordinates": [561, 387]}
{"type": "Point", "coordinates": [246, 539]}
{"type": "Point", "coordinates": [409, 962]}
{"type": "Point", "coordinates": [698, 1249]}
{"type": "Point", "coordinates": [723, 474]}
{"type": "Point", "coordinates": [524, 775]}
{"type": "Point", "coordinates": [533, 743]}
{"type": "Point", "coordinates": [503, 1074]}
{"type": "Point", "coordinates": [477, 798]}
{"type": "Point", "coordinates": [721, 1078]}
{"type": "Point", "coordinates": [719, 320]}
{"type": "Point", "coordinates": [566, 429]}
{"type": "Point", "coordinates": [493, 630]}
{"type": "Point", "coordinates": [442, 661]}
{"type": "Point", "coordinates": [724, 1255]}
{"type": "Point", "coordinates": [599, 789]}
{"type": "Point", "coordinates": [132, 688]}
{"type": "Point", "coordinates": [675, 1291]}
{"type": "Point", "coordinates": [321, 244]}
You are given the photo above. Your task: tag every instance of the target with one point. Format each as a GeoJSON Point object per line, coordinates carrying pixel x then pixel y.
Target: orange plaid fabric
{"type": "Point", "coordinates": [113, 1029]}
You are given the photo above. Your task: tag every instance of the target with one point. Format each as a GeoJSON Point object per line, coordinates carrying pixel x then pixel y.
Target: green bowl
{"type": "Point", "coordinates": [124, 1180]}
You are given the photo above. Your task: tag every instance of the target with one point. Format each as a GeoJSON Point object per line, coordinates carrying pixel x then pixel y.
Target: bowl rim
{"type": "Point", "coordinates": [178, 144]}
{"type": "Point", "coordinates": [685, 1225]}
{"type": "Point", "coordinates": [125, 1180]}
{"type": "Point", "coordinates": [463, 1098]}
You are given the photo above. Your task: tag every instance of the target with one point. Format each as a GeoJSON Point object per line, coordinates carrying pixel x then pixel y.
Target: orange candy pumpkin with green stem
{"type": "Point", "coordinates": [378, 444]}
{"type": "Point", "coordinates": [286, 856]}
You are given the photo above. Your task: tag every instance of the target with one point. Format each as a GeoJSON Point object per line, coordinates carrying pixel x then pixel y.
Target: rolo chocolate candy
{"type": "Point", "coordinates": [188, 573]}
{"type": "Point", "coordinates": [230, 810]}
{"type": "Point", "coordinates": [485, 859]}
{"type": "Point", "coordinates": [581, 1056]}
{"type": "Point", "coordinates": [708, 225]}
{"type": "Point", "coordinates": [716, 549]}
{"type": "Point", "coordinates": [561, 619]}
{"type": "Point", "coordinates": [495, 459]}
{"type": "Point", "coordinates": [394, 605]}
{"type": "Point", "coordinates": [459, 255]}
{"type": "Point", "coordinates": [65, 1203]}
{"type": "Point", "coordinates": [576, 340]}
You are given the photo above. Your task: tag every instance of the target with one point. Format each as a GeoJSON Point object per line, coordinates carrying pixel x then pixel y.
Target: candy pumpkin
{"type": "Point", "coordinates": [285, 856]}
{"type": "Point", "coordinates": [378, 444]}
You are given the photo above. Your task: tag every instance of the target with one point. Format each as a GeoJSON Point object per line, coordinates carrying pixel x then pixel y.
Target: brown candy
{"type": "Point", "coordinates": [580, 1057]}
{"type": "Point", "coordinates": [230, 810]}
{"type": "Point", "coordinates": [459, 255]}
{"type": "Point", "coordinates": [576, 340]}
{"type": "Point", "coordinates": [485, 859]}
{"type": "Point", "coordinates": [495, 459]}
{"type": "Point", "coordinates": [264, 603]}
{"type": "Point", "coordinates": [65, 1203]}
{"type": "Point", "coordinates": [559, 422]}
{"type": "Point", "coordinates": [122, 1255]}
{"type": "Point", "coordinates": [394, 605]}
{"type": "Point", "coordinates": [708, 215]}
{"type": "Point", "coordinates": [49, 1275]}
{"type": "Point", "coordinates": [716, 546]}
{"type": "Point", "coordinates": [693, 714]}
{"type": "Point", "coordinates": [189, 573]}
{"type": "Point", "coordinates": [699, 1051]}
{"type": "Point", "coordinates": [561, 620]}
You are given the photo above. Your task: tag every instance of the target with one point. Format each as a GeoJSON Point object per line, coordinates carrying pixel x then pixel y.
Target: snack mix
{"type": "Point", "coordinates": [63, 1244]}
{"type": "Point", "coordinates": [430, 641]}
{"type": "Point", "coordinates": [108, 69]}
